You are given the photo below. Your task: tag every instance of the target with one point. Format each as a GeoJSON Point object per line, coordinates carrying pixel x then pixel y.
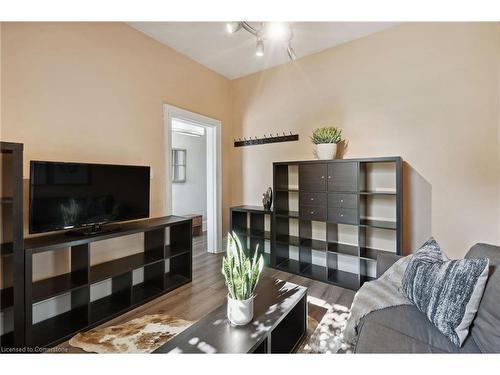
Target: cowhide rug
{"type": "Point", "coordinates": [141, 335]}
{"type": "Point", "coordinates": [326, 336]}
{"type": "Point", "coordinates": [146, 334]}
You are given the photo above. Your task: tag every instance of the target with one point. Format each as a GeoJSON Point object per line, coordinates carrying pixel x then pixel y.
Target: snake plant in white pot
{"type": "Point", "coordinates": [241, 275]}
{"type": "Point", "coordinates": [326, 140]}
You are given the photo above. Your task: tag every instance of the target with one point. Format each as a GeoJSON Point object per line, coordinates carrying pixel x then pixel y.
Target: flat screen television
{"type": "Point", "coordinates": [81, 195]}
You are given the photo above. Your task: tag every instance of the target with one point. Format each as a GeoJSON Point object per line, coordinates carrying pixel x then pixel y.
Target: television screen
{"type": "Point", "coordinates": [72, 195]}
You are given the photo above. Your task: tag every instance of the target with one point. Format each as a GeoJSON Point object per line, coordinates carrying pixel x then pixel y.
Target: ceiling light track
{"type": "Point", "coordinates": [270, 31]}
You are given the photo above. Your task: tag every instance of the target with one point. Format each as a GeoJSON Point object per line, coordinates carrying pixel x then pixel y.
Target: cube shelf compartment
{"type": "Point", "coordinates": [252, 225]}
{"type": "Point", "coordinates": [54, 286]}
{"type": "Point", "coordinates": [355, 203]}
{"type": "Point", "coordinates": [62, 325]}
{"type": "Point", "coordinates": [6, 298]}
{"type": "Point", "coordinates": [85, 311]}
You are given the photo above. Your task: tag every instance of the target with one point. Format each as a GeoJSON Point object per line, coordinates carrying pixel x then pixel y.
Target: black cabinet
{"type": "Point", "coordinates": [348, 212]}
{"type": "Point", "coordinates": [317, 213]}
{"type": "Point", "coordinates": [343, 208]}
{"type": "Point", "coordinates": [312, 206]}
{"type": "Point", "coordinates": [312, 177]}
{"type": "Point", "coordinates": [312, 199]}
{"type": "Point", "coordinates": [342, 176]}
{"type": "Point", "coordinates": [342, 200]}
{"type": "Point", "coordinates": [164, 264]}
{"type": "Point", "coordinates": [342, 215]}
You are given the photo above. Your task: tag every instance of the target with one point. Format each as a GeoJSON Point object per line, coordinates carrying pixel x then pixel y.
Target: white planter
{"type": "Point", "coordinates": [326, 151]}
{"type": "Point", "coordinates": [240, 312]}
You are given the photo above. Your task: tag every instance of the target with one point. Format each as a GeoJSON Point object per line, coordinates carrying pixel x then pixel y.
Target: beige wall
{"type": "Point", "coordinates": [427, 92]}
{"type": "Point", "coordinates": [94, 92]}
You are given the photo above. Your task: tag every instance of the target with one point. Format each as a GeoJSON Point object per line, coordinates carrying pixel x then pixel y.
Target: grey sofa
{"type": "Point", "coordinates": [404, 329]}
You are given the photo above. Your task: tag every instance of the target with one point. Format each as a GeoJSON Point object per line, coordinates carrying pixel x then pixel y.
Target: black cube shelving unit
{"type": "Point", "coordinates": [12, 246]}
{"type": "Point", "coordinates": [249, 224]}
{"type": "Point", "coordinates": [164, 264]}
{"type": "Point", "coordinates": [336, 216]}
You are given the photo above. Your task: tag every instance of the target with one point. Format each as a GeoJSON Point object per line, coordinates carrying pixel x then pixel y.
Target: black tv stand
{"type": "Point", "coordinates": [94, 229]}
{"type": "Point", "coordinates": [165, 263]}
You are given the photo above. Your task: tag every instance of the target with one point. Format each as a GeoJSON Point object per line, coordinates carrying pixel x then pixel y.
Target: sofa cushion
{"type": "Point", "coordinates": [404, 329]}
{"type": "Point", "coordinates": [486, 326]}
{"type": "Point", "coordinates": [448, 292]}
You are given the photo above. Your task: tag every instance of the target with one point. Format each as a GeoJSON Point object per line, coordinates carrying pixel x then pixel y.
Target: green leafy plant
{"type": "Point", "coordinates": [326, 135]}
{"type": "Point", "coordinates": [240, 273]}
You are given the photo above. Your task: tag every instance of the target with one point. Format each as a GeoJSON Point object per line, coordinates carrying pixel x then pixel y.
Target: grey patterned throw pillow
{"type": "Point", "coordinates": [447, 291]}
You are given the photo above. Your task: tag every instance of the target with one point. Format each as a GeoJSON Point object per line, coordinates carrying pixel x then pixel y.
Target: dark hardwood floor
{"type": "Point", "coordinates": [207, 291]}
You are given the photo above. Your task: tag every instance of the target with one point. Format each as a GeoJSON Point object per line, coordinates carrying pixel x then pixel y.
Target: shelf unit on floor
{"type": "Point", "coordinates": [253, 226]}
{"type": "Point", "coordinates": [332, 217]}
{"type": "Point", "coordinates": [132, 280]}
{"type": "Point", "coordinates": [11, 247]}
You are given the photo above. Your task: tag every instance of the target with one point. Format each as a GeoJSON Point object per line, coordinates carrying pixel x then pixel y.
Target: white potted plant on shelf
{"type": "Point", "coordinates": [326, 140]}
{"type": "Point", "coordinates": [241, 275]}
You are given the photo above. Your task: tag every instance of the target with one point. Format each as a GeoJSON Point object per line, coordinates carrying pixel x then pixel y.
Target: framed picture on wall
{"type": "Point", "coordinates": [179, 156]}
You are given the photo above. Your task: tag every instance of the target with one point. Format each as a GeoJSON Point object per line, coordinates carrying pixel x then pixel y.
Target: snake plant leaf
{"type": "Point", "coordinates": [226, 270]}
{"type": "Point", "coordinates": [231, 246]}
{"type": "Point", "coordinates": [255, 255]}
{"type": "Point", "coordinates": [256, 272]}
{"type": "Point", "coordinates": [239, 250]}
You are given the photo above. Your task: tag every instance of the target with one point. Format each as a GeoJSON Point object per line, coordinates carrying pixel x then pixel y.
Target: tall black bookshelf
{"type": "Point", "coordinates": [12, 246]}
{"type": "Point", "coordinates": [332, 217]}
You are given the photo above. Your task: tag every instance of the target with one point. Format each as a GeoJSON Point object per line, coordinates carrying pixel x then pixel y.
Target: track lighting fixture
{"type": "Point", "coordinates": [270, 31]}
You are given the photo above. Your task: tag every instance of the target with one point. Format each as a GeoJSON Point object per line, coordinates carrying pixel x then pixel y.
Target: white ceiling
{"type": "Point", "coordinates": [233, 55]}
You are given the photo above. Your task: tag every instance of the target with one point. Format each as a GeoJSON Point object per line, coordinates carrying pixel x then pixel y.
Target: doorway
{"type": "Point", "coordinates": [193, 176]}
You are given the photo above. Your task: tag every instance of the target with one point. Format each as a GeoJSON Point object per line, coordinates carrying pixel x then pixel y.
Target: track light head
{"type": "Point", "coordinates": [259, 51]}
{"type": "Point", "coordinates": [233, 27]}
{"type": "Point", "coordinates": [291, 52]}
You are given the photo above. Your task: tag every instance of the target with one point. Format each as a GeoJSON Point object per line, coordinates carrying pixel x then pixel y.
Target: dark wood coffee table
{"type": "Point", "coordinates": [279, 325]}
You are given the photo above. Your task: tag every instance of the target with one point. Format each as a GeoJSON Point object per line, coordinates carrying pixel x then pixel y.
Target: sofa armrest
{"type": "Point", "coordinates": [385, 261]}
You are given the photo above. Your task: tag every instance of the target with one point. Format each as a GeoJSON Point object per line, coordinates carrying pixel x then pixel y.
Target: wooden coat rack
{"type": "Point", "coordinates": [266, 139]}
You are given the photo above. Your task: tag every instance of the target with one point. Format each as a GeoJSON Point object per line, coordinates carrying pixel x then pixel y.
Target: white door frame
{"type": "Point", "coordinates": [214, 168]}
